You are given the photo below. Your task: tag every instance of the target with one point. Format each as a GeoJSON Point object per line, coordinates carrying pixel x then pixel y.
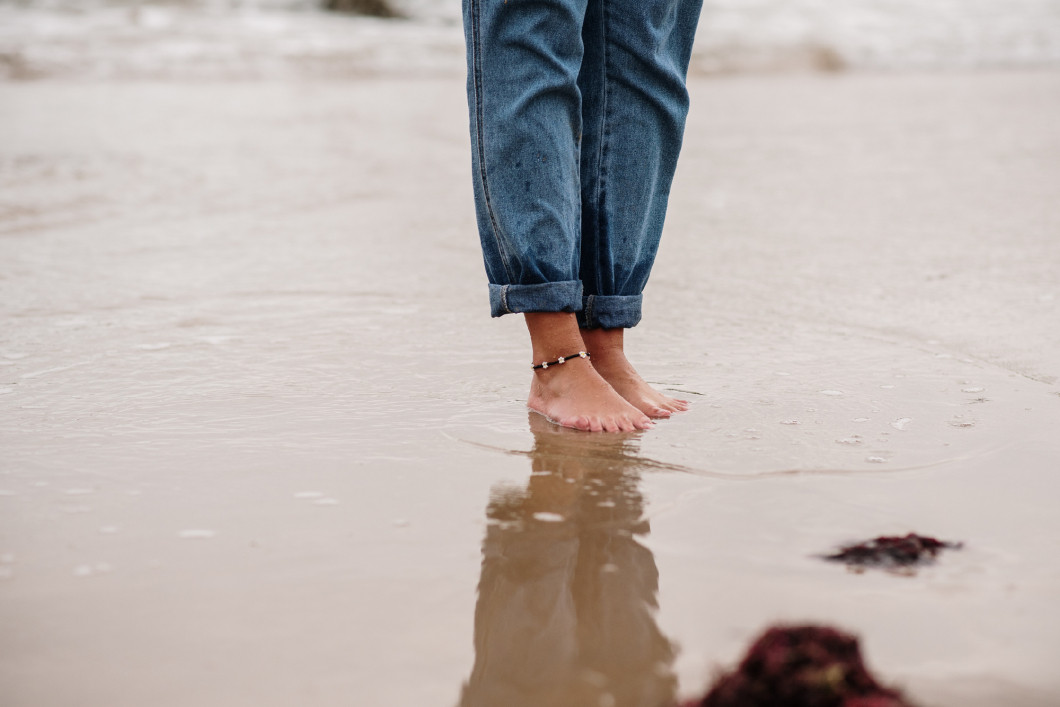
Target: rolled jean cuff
{"type": "Point", "coordinates": [610, 312]}
{"type": "Point", "coordinates": [544, 297]}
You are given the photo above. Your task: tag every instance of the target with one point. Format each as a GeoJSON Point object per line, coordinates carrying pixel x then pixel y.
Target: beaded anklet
{"type": "Point", "coordinates": [561, 359]}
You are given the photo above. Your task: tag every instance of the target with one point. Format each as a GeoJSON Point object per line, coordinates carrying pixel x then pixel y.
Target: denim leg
{"type": "Point", "coordinates": [525, 107]}
{"type": "Point", "coordinates": [632, 82]}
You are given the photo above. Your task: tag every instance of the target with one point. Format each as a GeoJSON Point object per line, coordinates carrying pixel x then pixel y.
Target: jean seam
{"type": "Point", "coordinates": [588, 314]}
{"type": "Point", "coordinates": [605, 140]}
{"type": "Point", "coordinates": [479, 136]}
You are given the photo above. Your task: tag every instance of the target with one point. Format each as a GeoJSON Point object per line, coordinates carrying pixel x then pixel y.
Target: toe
{"type": "Point", "coordinates": [578, 423]}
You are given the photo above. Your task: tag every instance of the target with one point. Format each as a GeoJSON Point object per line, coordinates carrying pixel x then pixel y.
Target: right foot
{"type": "Point", "coordinates": [606, 346]}
{"type": "Point", "coordinates": [574, 395]}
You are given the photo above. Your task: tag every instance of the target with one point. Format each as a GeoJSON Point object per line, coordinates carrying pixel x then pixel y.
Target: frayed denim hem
{"type": "Point", "coordinates": [544, 297]}
{"type": "Point", "coordinates": [610, 312]}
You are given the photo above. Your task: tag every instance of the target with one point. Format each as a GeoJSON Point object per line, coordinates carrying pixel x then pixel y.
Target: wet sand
{"type": "Point", "coordinates": [262, 444]}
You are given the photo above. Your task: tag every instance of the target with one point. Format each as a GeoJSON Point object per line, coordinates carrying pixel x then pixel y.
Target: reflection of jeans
{"type": "Point", "coordinates": [577, 112]}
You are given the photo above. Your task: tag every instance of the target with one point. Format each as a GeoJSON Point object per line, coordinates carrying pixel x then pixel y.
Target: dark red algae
{"type": "Point", "coordinates": [892, 551]}
{"type": "Point", "coordinates": [801, 666]}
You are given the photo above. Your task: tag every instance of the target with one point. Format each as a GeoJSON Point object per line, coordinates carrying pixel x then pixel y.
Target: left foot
{"type": "Point", "coordinates": [609, 360]}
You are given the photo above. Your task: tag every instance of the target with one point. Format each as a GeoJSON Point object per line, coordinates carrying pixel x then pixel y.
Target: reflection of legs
{"type": "Point", "coordinates": [566, 605]}
{"type": "Point", "coordinates": [634, 104]}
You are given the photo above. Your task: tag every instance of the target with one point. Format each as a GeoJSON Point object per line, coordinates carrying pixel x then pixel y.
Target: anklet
{"type": "Point", "coordinates": [561, 359]}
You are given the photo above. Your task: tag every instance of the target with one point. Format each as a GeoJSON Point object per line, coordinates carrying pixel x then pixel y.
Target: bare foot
{"type": "Point", "coordinates": [609, 359]}
{"type": "Point", "coordinates": [573, 394]}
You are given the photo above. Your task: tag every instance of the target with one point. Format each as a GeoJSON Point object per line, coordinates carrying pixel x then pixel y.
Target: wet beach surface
{"type": "Point", "coordinates": [261, 443]}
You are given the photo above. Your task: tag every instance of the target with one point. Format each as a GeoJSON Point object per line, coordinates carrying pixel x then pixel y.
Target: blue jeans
{"type": "Point", "coordinates": [577, 113]}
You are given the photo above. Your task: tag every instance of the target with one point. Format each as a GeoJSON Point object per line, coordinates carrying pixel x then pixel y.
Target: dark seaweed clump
{"type": "Point", "coordinates": [371, 8]}
{"type": "Point", "coordinates": [801, 666]}
{"type": "Point", "coordinates": [892, 551]}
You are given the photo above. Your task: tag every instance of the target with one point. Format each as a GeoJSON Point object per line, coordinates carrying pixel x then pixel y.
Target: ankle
{"type": "Point", "coordinates": [553, 335]}
{"type": "Point", "coordinates": [609, 357]}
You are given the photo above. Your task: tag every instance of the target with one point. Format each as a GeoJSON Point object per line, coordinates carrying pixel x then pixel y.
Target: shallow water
{"type": "Point", "coordinates": [262, 444]}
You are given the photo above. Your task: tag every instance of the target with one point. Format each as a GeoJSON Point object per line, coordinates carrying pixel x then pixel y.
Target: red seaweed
{"type": "Point", "coordinates": [892, 551]}
{"type": "Point", "coordinates": [801, 666]}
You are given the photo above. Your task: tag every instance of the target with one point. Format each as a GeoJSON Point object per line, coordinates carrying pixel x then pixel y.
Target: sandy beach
{"type": "Point", "coordinates": [263, 445]}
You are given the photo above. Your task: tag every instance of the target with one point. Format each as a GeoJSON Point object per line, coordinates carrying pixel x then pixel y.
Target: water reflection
{"type": "Point", "coordinates": [567, 596]}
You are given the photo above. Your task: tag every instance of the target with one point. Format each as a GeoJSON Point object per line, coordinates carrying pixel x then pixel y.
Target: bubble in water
{"type": "Point", "coordinates": [875, 459]}
{"type": "Point", "coordinates": [830, 392]}
{"type": "Point", "coordinates": [546, 517]}
{"type": "Point", "coordinates": [972, 390]}
{"type": "Point", "coordinates": [83, 571]}
{"type": "Point", "coordinates": [401, 523]}
{"type": "Point", "coordinates": [860, 419]}
{"type": "Point", "coordinates": [76, 509]}
{"type": "Point", "coordinates": [901, 422]}
{"type": "Point", "coordinates": [196, 533]}
{"type": "Point", "coordinates": [309, 494]}
{"type": "Point", "coordinates": [792, 421]}
{"type": "Point", "coordinates": [852, 440]}
{"type": "Point", "coordinates": [109, 529]}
